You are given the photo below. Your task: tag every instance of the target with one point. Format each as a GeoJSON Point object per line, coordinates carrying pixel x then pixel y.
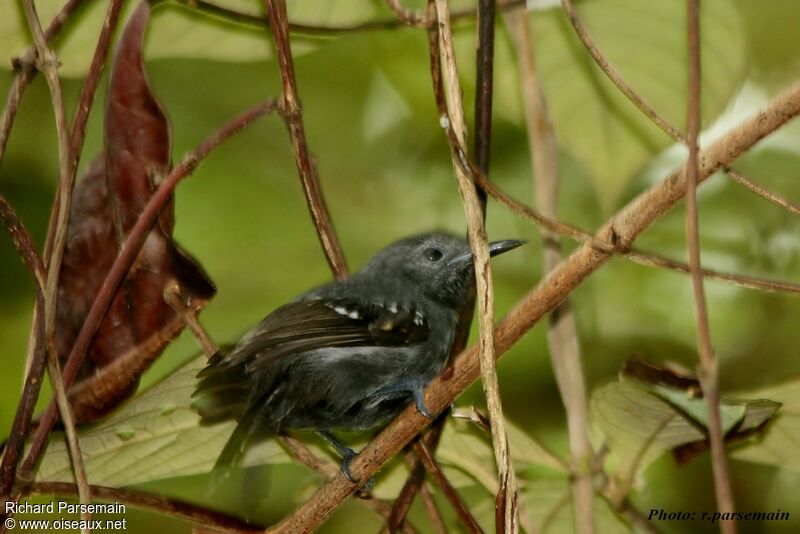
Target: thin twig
{"type": "Point", "coordinates": [627, 224]}
{"type": "Point", "coordinates": [434, 516]}
{"type": "Point", "coordinates": [122, 264]}
{"type": "Point", "coordinates": [153, 503]}
{"type": "Point", "coordinates": [30, 393]}
{"type": "Point", "coordinates": [70, 434]}
{"type": "Point", "coordinates": [506, 505]}
{"type": "Point", "coordinates": [615, 77]}
{"type": "Point", "coordinates": [34, 370]}
{"type": "Point", "coordinates": [407, 16]}
{"type": "Point", "coordinates": [484, 87]}
{"type": "Point", "coordinates": [23, 242]}
{"type": "Point", "coordinates": [432, 466]}
{"type": "Point", "coordinates": [172, 296]}
{"type": "Point", "coordinates": [633, 254]}
{"type": "Point", "coordinates": [416, 475]}
{"type": "Point", "coordinates": [778, 200]}
{"type": "Point", "coordinates": [24, 71]}
{"type": "Point", "coordinates": [48, 64]}
{"type": "Point", "coordinates": [292, 113]}
{"type": "Point", "coordinates": [89, 89]}
{"type": "Point", "coordinates": [562, 332]}
{"type": "Point", "coordinates": [311, 29]}
{"type": "Point", "coordinates": [709, 370]}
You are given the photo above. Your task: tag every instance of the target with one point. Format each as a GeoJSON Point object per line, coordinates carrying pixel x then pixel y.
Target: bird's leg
{"type": "Point", "coordinates": [415, 388]}
{"type": "Point", "coordinates": [347, 455]}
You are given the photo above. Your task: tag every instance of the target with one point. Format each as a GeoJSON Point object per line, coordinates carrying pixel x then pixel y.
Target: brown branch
{"type": "Point", "coordinates": [623, 228]}
{"type": "Point", "coordinates": [709, 370]}
{"type": "Point", "coordinates": [649, 111]}
{"type": "Point", "coordinates": [506, 505]}
{"type": "Point", "coordinates": [152, 503]}
{"type": "Point", "coordinates": [172, 296]}
{"type": "Point", "coordinates": [122, 264]}
{"type": "Point", "coordinates": [24, 71]}
{"type": "Point", "coordinates": [484, 86]}
{"type": "Point", "coordinates": [409, 17]}
{"type": "Point", "coordinates": [432, 466]}
{"type": "Point", "coordinates": [434, 516]}
{"type": "Point", "coordinates": [633, 254]}
{"type": "Point", "coordinates": [403, 18]}
{"type": "Point", "coordinates": [562, 332]}
{"type": "Point", "coordinates": [48, 64]}
{"type": "Point", "coordinates": [416, 476]}
{"type": "Point", "coordinates": [778, 200]}
{"type": "Point", "coordinates": [30, 393]}
{"type": "Point", "coordinates": [292, 113]}
{"type": "Point", "coordinates": [23, 242]}
{"type": "Point", "coordinates": [89, 89]}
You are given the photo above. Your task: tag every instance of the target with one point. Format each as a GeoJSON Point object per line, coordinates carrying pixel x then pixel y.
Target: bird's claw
{"type": "Point", "coordinates": [421, 408]}
{"type": "Point", "coordinates": [367, 486]}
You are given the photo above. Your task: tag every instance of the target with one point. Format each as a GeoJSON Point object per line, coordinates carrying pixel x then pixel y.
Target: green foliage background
{"type": "Point", "coordinates": [386, 172]}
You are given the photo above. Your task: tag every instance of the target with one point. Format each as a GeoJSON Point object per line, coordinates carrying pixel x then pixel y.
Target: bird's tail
{"type": "Point", "coordinates": [235, 447]}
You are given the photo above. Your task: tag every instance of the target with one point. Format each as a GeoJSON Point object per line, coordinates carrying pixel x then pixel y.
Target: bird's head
{"type": "Point", "coordinates": [437, 265]}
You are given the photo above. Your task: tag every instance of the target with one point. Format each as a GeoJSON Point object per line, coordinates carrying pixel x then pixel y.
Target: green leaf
{"type": "Point", "coordinates": [779, 445]}
{"type": "Point", "coordinates": [638, 426]}
{"type": "Point", "coordinates": [154, 436]}
{"type": "Point", "coordinates": [731, 413]}
{"type": "Point", "coordinates": [646, 43]}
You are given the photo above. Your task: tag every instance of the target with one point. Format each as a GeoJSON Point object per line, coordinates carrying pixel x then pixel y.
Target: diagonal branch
{"type": "Point", "coordinates": [24, 71]}
{"type": "Point", "coordinates": [709, 370]}
{"type": "Point", "coordinates": [292, 113]}
{"type": "Point", "coordinates": [622, 228]}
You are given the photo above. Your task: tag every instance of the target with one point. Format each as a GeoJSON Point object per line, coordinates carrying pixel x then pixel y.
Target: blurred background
{"type": "Point", "coordinates": [385, 169]}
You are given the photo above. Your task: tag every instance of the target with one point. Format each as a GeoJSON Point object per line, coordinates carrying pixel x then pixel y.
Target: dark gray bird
{"type": "Point", "coordinates": [348, 355]}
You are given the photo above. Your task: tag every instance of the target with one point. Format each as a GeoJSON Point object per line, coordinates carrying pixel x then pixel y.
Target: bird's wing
{"type": "Point", "coordinates": [306, 325]}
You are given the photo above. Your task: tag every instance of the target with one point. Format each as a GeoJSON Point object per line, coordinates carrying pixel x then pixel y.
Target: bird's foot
{"type": "Point", "coordinates": [347, 456]}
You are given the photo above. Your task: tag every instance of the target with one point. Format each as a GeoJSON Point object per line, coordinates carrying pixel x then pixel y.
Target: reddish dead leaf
{"type": "Point", "coordinates": [107, 201]}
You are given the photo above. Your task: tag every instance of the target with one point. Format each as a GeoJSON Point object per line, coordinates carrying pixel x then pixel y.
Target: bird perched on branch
{"type": "Point", "coordinates": [350, 354]}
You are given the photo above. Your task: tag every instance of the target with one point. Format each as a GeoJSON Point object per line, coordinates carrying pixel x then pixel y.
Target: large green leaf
{"type": "Point", "coordinates": [646, 42]}
{"type": "Point", "coordinates": [638, 426]}
{"type": "Point", "coordinates": [156, 435]}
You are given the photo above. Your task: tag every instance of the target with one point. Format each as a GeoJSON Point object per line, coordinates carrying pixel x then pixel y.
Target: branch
{"type": "Point", "coordinates": [48, 64]}
{"type": "Point", "coordinates": [292, 114]}
{"type": "Point", "coordinates": [709, 371]}
{"type": "Point", "coordinates": [615, 77]}
{"type": "Point", "coordinates": [622, 228]}
{"type": "Point", "coordinates": [30, 392]}
{"type": "Point", "coordinates": [122, 264]}
{"type": "Point", "coordinates": [403, 18]}
{"type": "Point", "coordinates": [778, 200]}
{"type": "Point", "coordinates": [562, 332]}
{"type": "Point", "coordinates": [24, 71]}
{"type": "Point", "coordinates": [506, 517]}
{"type": "Point", "coordinates": [424, 454]}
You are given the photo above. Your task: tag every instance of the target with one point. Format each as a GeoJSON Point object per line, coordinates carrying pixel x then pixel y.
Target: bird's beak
{"type": "Point", "coordinates": [498, 247]}
{"type": "Point", "coordinates": [495, 248]}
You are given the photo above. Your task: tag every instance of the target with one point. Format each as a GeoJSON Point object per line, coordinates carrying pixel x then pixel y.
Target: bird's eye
{"type": "Point", "coordinates": [433, 254]}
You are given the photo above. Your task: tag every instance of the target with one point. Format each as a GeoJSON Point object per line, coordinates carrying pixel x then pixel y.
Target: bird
{"type": "Point", "coordinates": [349, 355]}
